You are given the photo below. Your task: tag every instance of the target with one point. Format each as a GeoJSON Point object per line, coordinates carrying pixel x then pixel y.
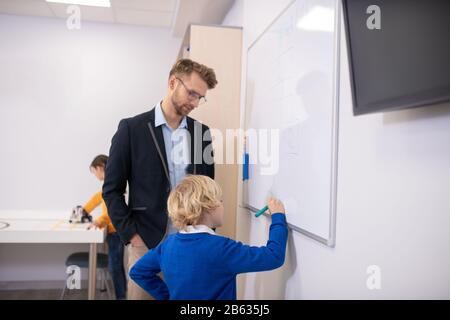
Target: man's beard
{"type": "Point", "coordinates": [179, 108]}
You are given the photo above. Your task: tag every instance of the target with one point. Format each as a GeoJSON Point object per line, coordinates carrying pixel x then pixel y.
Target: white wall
{"type": "Point", "coordinates": [393, 204]}
{"type": "Point", "coordinates": [62, 94]}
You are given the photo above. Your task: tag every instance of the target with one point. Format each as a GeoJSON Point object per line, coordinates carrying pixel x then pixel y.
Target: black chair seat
{"type": "Point", "coordinates": [81, 259]}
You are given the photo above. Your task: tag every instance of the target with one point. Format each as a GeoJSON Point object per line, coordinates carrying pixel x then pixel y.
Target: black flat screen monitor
{"type": "Point", "coordinates": [399, 53]}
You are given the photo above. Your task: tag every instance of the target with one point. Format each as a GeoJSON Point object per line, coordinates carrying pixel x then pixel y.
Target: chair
{"type": "Point", "coordinates": [81, 259]}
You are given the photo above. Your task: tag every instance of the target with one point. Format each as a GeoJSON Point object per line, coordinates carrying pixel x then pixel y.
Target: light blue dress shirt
{"type": "Point", "coordinates": [177, 150]}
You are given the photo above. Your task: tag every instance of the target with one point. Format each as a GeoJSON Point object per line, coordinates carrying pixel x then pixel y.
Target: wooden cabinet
{"type": "Point", "coordinates": [220, 48]}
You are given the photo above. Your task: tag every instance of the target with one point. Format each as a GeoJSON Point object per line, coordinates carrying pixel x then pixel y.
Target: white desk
{"type": "Point", "coordinates": [33, 230]}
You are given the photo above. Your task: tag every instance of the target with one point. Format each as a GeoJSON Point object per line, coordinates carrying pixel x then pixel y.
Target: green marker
{"type": "Point", "coordinates": [260, 212]}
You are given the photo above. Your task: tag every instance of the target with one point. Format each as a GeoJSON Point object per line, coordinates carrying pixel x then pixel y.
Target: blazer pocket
{"type": "Point", "coordinates": [139, 209]}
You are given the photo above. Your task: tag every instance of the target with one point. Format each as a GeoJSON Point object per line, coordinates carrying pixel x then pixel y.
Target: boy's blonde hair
{"type": "Point", "coordinates": [191, 198]}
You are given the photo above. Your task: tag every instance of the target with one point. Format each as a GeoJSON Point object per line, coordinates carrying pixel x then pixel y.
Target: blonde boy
{"type": "Point", "coordinates": [196, 262]}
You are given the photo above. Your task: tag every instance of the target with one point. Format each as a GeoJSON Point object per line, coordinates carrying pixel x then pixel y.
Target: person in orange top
{"type": "Point", "coordinates": [115, 245]}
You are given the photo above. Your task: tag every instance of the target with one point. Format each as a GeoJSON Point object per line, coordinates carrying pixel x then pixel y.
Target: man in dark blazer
{"type": "Point", "coordinates": [145, 154]}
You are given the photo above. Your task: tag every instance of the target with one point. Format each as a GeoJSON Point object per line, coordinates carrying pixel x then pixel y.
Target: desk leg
{"type": "Point", "coordinates": [92, 270]}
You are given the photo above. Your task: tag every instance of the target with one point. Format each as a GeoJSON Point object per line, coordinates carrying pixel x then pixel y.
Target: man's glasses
{"type": "Point", "coordinates": [192, 94]}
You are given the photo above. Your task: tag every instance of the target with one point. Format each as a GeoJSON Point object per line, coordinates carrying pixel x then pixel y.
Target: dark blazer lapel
{"type": "Point", "coordinates": [194, 148]}
{"type": "Point", "coordinates": [158, 140]}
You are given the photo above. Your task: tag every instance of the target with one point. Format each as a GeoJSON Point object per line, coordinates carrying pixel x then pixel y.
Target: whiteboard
{"type": "Point", "coordinates": [292, 88]}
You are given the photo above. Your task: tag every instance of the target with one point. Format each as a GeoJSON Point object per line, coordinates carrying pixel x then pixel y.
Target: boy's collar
{"type": "Point", "coordinates": [200, 228]}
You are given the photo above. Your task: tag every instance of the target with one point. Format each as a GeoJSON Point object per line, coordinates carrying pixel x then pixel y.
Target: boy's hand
{"type": "Point", "coordinates": [94, 225]}
{"type": "Point", "coordinates": [275, 206]}
{"type": "Point", "coordinates": [136, 241]}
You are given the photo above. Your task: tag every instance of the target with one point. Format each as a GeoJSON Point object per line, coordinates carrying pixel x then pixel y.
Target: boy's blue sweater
{"type": "Point", "coordinates": [204, 266]}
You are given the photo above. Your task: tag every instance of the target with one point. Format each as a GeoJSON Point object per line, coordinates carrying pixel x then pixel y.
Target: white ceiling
{"type": "Point", "coordinates": [199, 12]}
{"type": "Point", "coordinates": [174, 14]}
